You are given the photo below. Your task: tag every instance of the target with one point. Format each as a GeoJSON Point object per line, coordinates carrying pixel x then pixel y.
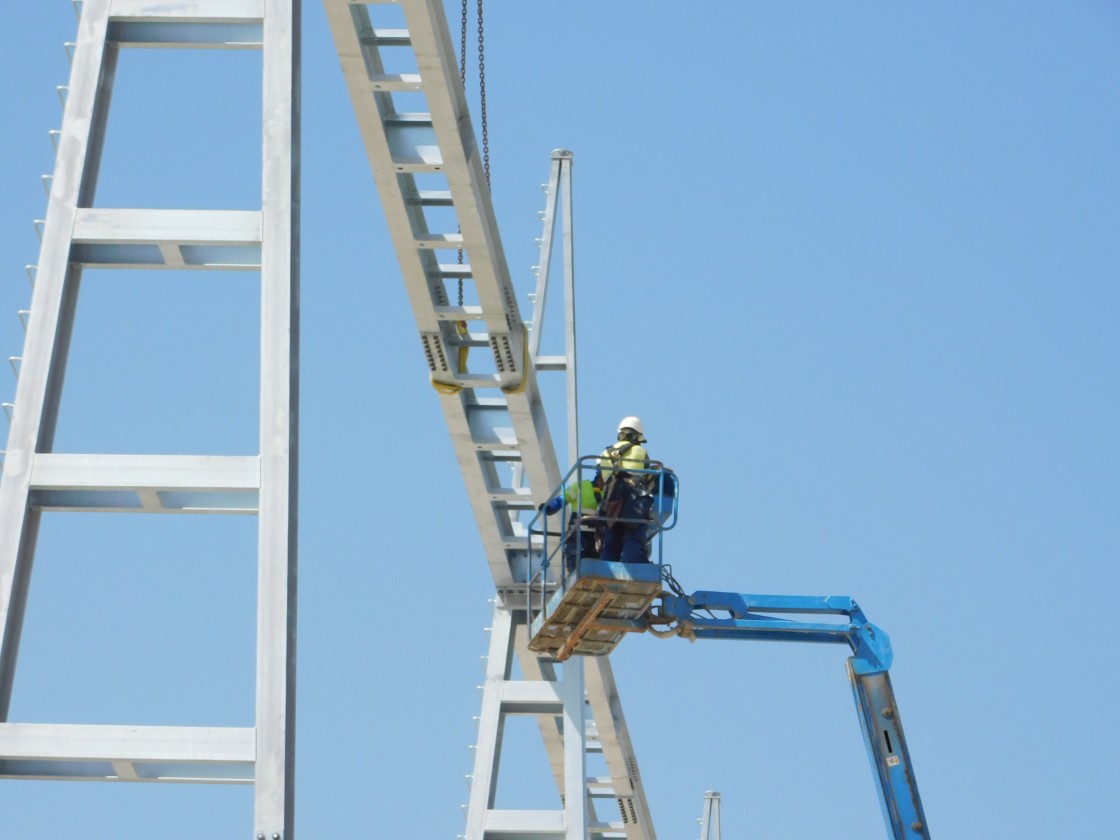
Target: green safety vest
{"type": "Point", "coordinates": [582, 497]}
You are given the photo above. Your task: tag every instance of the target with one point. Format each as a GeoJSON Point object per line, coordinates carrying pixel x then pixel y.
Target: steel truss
{"type": "Point", "coordinates": [77, 236]}
{"type": "Point", "coordinates": [402, 74]}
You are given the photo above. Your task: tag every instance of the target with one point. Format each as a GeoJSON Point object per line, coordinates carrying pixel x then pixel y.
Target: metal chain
{"type": "Point", "coordinates": [463, 45]}
{"type": "Point", "coordinates": [482, 95]}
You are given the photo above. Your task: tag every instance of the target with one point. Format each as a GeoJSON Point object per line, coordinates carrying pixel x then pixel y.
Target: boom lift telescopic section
{"type": "Point", "coordinates": [589, 608]}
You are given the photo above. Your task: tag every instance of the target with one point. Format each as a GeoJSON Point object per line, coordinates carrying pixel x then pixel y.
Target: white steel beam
{"type": "Point", "coordinates": [127, 753]}
{"type": "Point", "coordinates": [618, 749]}
{"type": "Point", "coordinates": [209, 24]}
{"type": "Point", "coordinates": [39, 387]}
{"type": "Point", "coordinates": [274, 788]}
{"type": "Point", "coordinates": [148, 483]}
{"type": "Point", "coordinates": [202, 239]}
{"type": "Point", "coordinates": [189, 11]}
{"type": "Point", "coordinates": [493, 410]}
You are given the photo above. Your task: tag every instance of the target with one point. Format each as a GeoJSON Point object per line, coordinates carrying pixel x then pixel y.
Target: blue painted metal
{"type": "Point", "coordinates": [888, 754]}
{"type": "Point", "coordinates": [639, 572]}
{"type": "Point", "coordinates": [729, 615]}
{"type": "Point", "coordinates": [747, 619]}
{"type": "Point", "coordinates": [546, 570]}
{"type": "Point", "coordinates": [588, 609]}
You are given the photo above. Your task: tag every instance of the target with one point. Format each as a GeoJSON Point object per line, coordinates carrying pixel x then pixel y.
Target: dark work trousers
{"type": "Point", "coordinates": [579, 542]}
{"type": "Point", "coordinates": [625, 542]}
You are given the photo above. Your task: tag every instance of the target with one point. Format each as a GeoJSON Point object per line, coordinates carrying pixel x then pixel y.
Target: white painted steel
{"type": "Point", "coordinates": [127, 753]}
{"type": "Point", "coordinates": [491, 722]}
{"type": "Point", "coordinates": [208, 24]}
{"type": "Point", "coordinates": [76, 236]}
{"type": "Point", "coordinates": [709, 819]}
{"type": "Point", "coordinates": [559, 706]}
{"type": "Point", "coordinates": [274, 788]}
{"type": "Point", "coordinates": [575, 751]}
{"type": "Point", "coordinates": [250, 11]}
{"type": "Point", "coordinates": [559, 192]}
{"type": "Point", "coordinates": [39, 386]}
{"type": "Point", "coordinates": [111, 238]}
{"type": "Point", "coordinates": [495, 415]}
{"type": "Point", "coordinates": [160, 483]}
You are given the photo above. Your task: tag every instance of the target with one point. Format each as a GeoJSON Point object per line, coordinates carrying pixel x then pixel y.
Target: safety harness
{"type": "Point", "coordinates": [620, 485]}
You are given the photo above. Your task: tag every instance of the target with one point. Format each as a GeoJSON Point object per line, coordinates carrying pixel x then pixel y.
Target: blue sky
{"type": "Point", "coordinates": [855, 267]}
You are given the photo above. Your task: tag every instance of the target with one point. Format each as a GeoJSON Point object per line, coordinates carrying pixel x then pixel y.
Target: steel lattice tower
{"type": "Point", "coordinates": [78, 235]}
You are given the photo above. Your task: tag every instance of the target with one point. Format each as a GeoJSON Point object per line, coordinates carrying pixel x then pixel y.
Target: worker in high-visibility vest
{"type": "Point", "coordinates": [581, 540]}
{"type": "Point", "coordinates": [626, 500]}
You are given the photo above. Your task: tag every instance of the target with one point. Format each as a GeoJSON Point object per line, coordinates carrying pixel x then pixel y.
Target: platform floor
{"type": "Point", "coordinates": [594, 610]}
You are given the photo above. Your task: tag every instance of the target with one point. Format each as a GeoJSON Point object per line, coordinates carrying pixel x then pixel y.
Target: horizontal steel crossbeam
{"type": "Point", "coordinates": [146, 483]}
{"type": "Point", "coordinates": [127, 753]}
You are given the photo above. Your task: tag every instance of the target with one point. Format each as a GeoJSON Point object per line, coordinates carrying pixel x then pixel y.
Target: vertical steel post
{"type": "Point", "coordinates": [575, 750]}
{"type": "Point", "coordinates": [49, 327]}
{"type": "Point", "coordinates": [563, 159]}
{"type": "Point", "coordinates": [559, 192]}
{"type": "Point", "coordinates": [274, 789]}
{"type": "Point", "coordinates": [709, 820]}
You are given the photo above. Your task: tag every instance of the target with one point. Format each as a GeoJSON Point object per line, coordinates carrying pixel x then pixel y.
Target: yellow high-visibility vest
{"type": "Point", "coordinates": [633, 457]}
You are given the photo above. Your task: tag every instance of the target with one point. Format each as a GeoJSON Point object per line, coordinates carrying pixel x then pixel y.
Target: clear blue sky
{"type": "Point", "coordinates": [858, 264]}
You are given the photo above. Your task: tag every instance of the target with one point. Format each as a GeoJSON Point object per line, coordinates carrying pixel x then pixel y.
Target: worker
{"type": "Point", "coordinates": [625, 497]}
{"type": "Point", "coordinates": [581, 539]}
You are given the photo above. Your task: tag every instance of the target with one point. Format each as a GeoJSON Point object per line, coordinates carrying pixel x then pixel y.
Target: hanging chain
{"type": "Point", "coordinates": [482, 94]}
{"type": "Point", "coordinates": [463, 45]}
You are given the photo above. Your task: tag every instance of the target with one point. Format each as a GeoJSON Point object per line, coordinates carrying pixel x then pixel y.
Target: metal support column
{"type": "Point", "coordinates": [709, 821]}
{"type": "Point", "coordinates": [558, 701]}
{"type": "Point", "coordinates": [558, 706]}
{"type": "Point", "coordinates": [77, 236]}
{"type": "Point", "coordinates": [559, 201]}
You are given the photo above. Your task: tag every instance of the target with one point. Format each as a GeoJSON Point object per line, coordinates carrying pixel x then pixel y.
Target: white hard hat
{"type": "Point", "coordinates": [634, 423]}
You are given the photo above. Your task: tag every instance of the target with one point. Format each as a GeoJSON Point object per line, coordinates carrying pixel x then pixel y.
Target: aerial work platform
{"type": "Point", "coordinates": [597, 605]}
{"type": "Point", "coordinates": [580, 604]}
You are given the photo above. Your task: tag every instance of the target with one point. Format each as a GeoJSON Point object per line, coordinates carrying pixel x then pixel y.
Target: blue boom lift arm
{"type": "Point", "coordinates": [726, 615]}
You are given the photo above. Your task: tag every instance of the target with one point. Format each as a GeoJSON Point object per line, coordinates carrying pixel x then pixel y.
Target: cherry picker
{"type": "Point", "coordinates": [584, 606]}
